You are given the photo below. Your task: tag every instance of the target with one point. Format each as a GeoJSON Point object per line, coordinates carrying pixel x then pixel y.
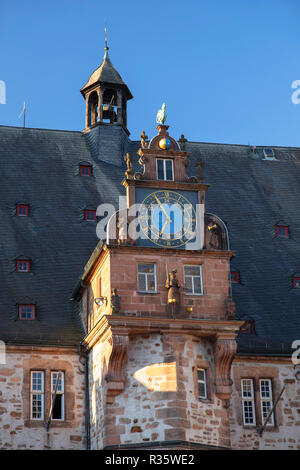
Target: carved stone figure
{"type": "Point", "coordinates": [173, 287]}
{"type": "Point", "coordinates": [115, 301]}
{"type": "Point", "coordinates": [182, 142]}
{"type": "Point", "coordinates": [215, 237]}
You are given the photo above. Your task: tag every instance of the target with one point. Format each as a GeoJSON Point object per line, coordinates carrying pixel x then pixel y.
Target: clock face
{"type": "Point", "coordinates": [167, 218]}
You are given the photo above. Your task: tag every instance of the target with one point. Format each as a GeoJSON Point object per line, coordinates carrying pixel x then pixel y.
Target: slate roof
{"type": "Point", "coordinates": [40, 167]}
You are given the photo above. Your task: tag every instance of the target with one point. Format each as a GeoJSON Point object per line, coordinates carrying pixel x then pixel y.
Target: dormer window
{"type": "Point", "coordinates": [282, 231]}
{"type": "Point", "coordinates": [90, 215]}
{"type": "Point", "coordinates": [164, 169]}
{"type": "Point", "coordinates": [23, 265]}
{"type": "Point", "coordinates": [22, 210]}
{"type": "Point", "coordinates": [26, 311]}
{"type": "Point", "coordinates": [296, 282]}
{"type": "Point", "coordinates": [85, 170]}
{"type": "Point", "coordinates": [235, 277]}
{"type": "Point", "coordinates": [269, 154]}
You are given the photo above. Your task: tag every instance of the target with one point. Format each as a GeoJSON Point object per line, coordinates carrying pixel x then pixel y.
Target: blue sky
{"type": "Point", "coordinates": [224, 68]}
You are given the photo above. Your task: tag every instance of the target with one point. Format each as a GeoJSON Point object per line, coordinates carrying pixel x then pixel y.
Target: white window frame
{"type": "Point", "coordinates": [60, 391]}
{"type": "Point", "coordinates": [269, 154]}
{"type": "Point", "coordinates": [164, 168]}
{"type": "Point", "coordinates": [191, 276]}
{"type": "Point", "coordinates": [248, 402]}
{"type": "Point", "coordinates": [147, 291]}
{"type": "Point", "coordinates": [204, 382]}
{"type": "Point", "coordinates": [34, 391]}
{"type": "Point", "coordinates": [266, 401]}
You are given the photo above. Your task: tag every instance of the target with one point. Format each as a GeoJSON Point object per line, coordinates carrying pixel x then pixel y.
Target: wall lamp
{"type": "Point", "coordinates": [100, 301]}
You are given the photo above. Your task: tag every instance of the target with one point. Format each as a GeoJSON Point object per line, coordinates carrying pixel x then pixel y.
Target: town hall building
{"type": "Point", "coordinates": [150, 289]}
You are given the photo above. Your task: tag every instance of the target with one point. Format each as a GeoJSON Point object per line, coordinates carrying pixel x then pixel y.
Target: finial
{"type": "Point", "coordinates": [106, 46]}
{"type": "Point", "coordinates": [144, 138]}
{"type": "Point", "coordinates": [129, 171]}
{"type": "Point", "coordinates": [161, 115]}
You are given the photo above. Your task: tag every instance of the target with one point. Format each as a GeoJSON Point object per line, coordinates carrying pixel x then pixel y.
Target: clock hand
{"type": "Point", "coordinates": [162, 208]}
{"type": "Point", "coordinates": [163, 228]}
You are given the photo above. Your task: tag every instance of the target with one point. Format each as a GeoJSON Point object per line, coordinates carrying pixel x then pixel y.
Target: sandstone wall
{"type": "Point", "coordinates": [17, 431]}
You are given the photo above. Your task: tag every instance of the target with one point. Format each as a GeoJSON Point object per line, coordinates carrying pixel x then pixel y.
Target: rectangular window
{"type": "Point", "coordinates": [201, 381]}
{"type": "Point", "coordinates": [23, 266]}
{"type": "Point", "coordinates": [58, 406]}
{"type": "Point", "coordinates": [248, 402]}
{"type": "Point", "coordinates": [164, 169]}
{"type": "Point", "coordinates": [37, 395]}
{"type": "Point", "coordinates": [147, 278]}
{"type": "Point", "coordinates": [85, 170]}
{"type": "Point", "coordinates": [26, 311]}
{"type": "Point", "coordinates": [90, 215]}
{"type": "Point", "coordinates": [282, 231]}
{"type": "Point", "coordinates": [22, 210]}
{"type": "Point", "coordinates": [193, 280]}
{"type": "Point", "coordinates": [266, 401]}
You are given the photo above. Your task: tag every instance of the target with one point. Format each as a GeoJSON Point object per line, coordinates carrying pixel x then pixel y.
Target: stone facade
{"type": "Point", "coordinates": [17, 430]}
{"type": "Point", "coordinates": [285, 434]}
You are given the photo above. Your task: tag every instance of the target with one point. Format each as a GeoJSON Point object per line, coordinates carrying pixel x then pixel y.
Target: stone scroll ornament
{"type": "Point", "coordinates": [161, 115]}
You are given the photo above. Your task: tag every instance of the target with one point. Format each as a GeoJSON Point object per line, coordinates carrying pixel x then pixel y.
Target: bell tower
{"type": "Point", "coordinates": [106, 96]}
{"type": "Point", "coordinates": [160, 328]}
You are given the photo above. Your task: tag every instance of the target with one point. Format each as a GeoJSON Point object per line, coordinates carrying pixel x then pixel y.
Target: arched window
{"type": "Point", "coordinates": [110, 109]}
{"type": "Point", "coordinates": [93, 108]}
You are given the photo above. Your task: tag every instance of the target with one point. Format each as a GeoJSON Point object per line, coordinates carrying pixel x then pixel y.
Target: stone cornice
{"type": "Point", "coordinates": [131, 326]}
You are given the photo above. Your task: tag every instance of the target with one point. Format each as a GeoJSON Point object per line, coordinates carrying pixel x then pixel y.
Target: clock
{"type": "Point", "coordinates": [167, 218]}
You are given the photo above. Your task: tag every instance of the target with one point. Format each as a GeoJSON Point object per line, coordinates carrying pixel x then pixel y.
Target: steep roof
{"type": "Point", "coordinates": [106, 73]}
{"type": "Point", "coordinates": [40, 167]}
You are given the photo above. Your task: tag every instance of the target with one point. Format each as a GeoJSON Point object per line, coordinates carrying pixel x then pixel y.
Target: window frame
{"type": "Point", "coordinates": [205, 366]}
{"type": "Point", "coordinates": [85, 167]}
{"type": "Point", "coordinates": [250, 399]}
{"type": "Point", "coordinates": [281, 227]}
{"type": "Point", "coordinates": [146, 277]}
{"type": "Point", "coordinates": [20, 306]}
{"type": "Point", "coordinates": [203, 382]}
{"type": "Point", "coordinates": [271, 421]}
{"type": "Point", "coordinates": [37, 392]}
{"type": "Point", "coordinates": [22, 206]}
{"type": "Point", "coordinates": [18, 263]}
{"type": "Point", "coordinates": [164, 160]}
{"type": "Point", "coordinates": [296, 282]}
{"type": "Point", "coordinates": [191, 276]}
{"type": "Point", "coordinates": [59, 392]}
{"type": "Point", "coordinates": [235, 277]}
{"type": "Point", "coordinates": [89, 211]}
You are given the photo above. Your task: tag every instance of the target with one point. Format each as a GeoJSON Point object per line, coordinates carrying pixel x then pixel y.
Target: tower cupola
{"type": "Point", "coordinates": [106, 96]}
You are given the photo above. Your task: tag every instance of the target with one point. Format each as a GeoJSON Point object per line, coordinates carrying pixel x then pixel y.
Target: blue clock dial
{"type": "Point", "coordinates": [167, 218]}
